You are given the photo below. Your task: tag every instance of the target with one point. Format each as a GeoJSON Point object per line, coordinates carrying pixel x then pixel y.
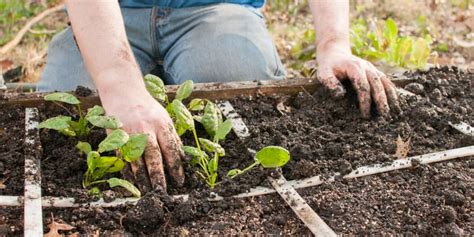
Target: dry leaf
{"type": "Point", "coordinates": [402, 148]}
{"type": "Point", "coordinates": [2, 183]}
{"type": "Point", "coordinates": [54, 227]}
{"type": "Point", "coordinates": [281, 107]}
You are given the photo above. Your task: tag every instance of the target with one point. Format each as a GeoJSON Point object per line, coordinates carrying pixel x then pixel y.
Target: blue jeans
{"type": "Point", "coordinates": [214, 43]}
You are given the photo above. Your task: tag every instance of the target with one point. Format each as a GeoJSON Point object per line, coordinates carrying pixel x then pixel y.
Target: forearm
{"type": "Point", "coordinates": [100, 34]}
{"type": "Point", "coordinates": [331, 22]}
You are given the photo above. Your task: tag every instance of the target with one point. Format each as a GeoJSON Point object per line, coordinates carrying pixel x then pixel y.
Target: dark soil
{"type": "Point", "coordinates": [12, 163]}
{"type": "Point", "coordinates": [325, 135]}
{"type": "Point", "coordinates": [11, 221]}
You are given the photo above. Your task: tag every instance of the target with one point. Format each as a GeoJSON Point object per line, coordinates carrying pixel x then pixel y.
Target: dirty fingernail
{"type": "Point", "coordinates": [338, 92]}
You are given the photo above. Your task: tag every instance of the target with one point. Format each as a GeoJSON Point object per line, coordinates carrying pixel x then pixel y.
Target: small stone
{"type": "Point", "coordinates": [455, 198]}
{"type": "Point", "coordinates": [416, 88]}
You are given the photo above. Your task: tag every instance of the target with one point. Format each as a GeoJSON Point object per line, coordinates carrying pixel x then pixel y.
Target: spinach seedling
{"type": "Point", "coordinates": [130, 148]}
{"type": "Point", "coordinates": [267, 157]}
{"type": "Point", "coordinates": [67, 126]}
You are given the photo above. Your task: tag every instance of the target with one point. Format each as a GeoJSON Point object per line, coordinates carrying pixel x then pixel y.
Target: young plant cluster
{"type": "Point", "coordinates": [380, 43]}
{"type": "Point", "coordinates": [206, 152]}
{"type": "Point", "coordinates": [385, 44]}
{"type": "Point", "coordinates": [130, 147]}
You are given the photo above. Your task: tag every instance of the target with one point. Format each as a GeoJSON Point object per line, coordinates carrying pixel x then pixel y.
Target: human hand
{"type": "Point", "coordinates": [140, 113]}
{"type": "Point", "coordinates": [336, 63]}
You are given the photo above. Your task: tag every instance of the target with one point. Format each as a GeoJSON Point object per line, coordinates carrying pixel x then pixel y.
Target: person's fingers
{"type": "Point", "coordinates": [378, 92]}
{"type": "Point", "coordinates": [391, 92]}
{"type": "Point", "coordinates": [361, 85]}
{"type": "Point", "coordinates": [329, 80]}
{"type": "Point", "coordinates": [140, 173]}
{"type": "Point", "coordinates": [171, 149]}
{"type": "Point", "coordinates": [154, 164]}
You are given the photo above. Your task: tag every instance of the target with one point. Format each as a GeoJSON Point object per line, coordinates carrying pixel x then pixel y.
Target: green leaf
{"type": "Point", "coordinates": [212, 165]}
{"type": "Point", "coordinates": [62, 97]}
{"type": "Point", "coordinates": [92, 157]}
{"type": "Point", "coordinates": [211, 119]}
{"type": "Point", "coordinates": [184, 90]}
{"type": "Point", "coordinates": [84, 147]}
{"type": "Point", "coordinates": [114, 182]}
{"type": "Point", "coordinates": [56, 123]}
{"type": "Point", "coordinates": [184, 119]}
{"type": "Point", "coordinates": [116, 139]}
{"type": "Point", "coordinates": [104, 121]}
{"type": "Point", "coordinates": [234, 172]}
{"type": "Point", "coordinates": [420, 53]}
{"type": "Point", "coordinates": [134, 148]}
{"type": "Point", "coordinates": [95, 111]}
{"type": "Point", "coordinates": [211, 146]}
{"type": "Point", "coordinates": [194, 153]}
{"type": "Point", "coordinates": [95, 191]}
{"type": "Point", "coordinates": [222, 130]}
{"type": "Point", "coordinates": [156, 87]}
{"type": "Point", "coordinates": [196, 104]}
{"type": "Point", "coordinates": [404, 47]}
{"type": "Point", "coordinates": [110, 164]}
{"type": "Point", "coordinates": [273, 156]}
{"type": "Point", "coordinates": [391, 30]}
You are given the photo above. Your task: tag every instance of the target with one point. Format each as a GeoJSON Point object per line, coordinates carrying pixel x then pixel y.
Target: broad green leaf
{"type": "Point", "coordinates": [104, 121]}
{"type": "Point", "coordinates": [196, 104]}
{"type": "Point", "coordinates": [184, 119]}
{"type": "Point", "coordinates": [110, 164]}
{"type": "Point", "coordinates": [273, 156]}
{"type": "Point", "coordinates": [135, 146]}
{"type": "Point", "coordinates": [92, 157]}
{"type": "Point", "coordinates": [62, 97]}
{"type": "Point", "coordinates": [184, 90]}
{"type": "Point", "coordinates": [116, 139]}
{"type": "Point", "coordinates": [211, 118]}
{"type": "Point", "coordinates": [95, 111]}
{"type": "Point", "coordinates": [156, 87]}
{"type": "Point", "coordinates": [222, 130]}
{"type": "Point", "coordinates": [84, 147]}
{"type": "Point", "coordinates": [234, 172]}
{"type": "Point", "coordinates": [114, 182]}
{"type": "Point", "coordinates": [211, 146]}
{"type": "Point", "coordinates": [56, 123]}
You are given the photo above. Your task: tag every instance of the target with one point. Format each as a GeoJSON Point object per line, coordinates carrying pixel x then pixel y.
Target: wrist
{"type": "Point", "coordinates": [338, 43]}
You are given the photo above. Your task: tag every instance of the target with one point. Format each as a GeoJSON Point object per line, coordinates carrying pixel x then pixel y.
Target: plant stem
{"type": "Point", "coordinates": [247, 169]}
{"type": "Point", "coordinates": [97, 182]}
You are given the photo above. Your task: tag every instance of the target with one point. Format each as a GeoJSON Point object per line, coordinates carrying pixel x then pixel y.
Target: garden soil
{"type": "Point", "coordinates": [324, 136]}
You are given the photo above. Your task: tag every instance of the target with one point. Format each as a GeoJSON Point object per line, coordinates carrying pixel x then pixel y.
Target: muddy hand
{"type": "Point", "coordinates": [142, 114]}
{"type": "Point", "coordinates": [370, 84]}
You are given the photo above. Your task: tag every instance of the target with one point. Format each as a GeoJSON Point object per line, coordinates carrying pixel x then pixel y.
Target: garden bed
{"type": "Point", "coordinates": [325, 137]}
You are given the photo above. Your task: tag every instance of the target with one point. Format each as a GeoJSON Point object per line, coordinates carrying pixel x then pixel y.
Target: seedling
{"type": "Point", "coordinates": [210, 116]}
{"type": "Point", "coordinates": [267, 157]}
{"type": "Point", "coordinates": [211, 119]}
{"type": "Point", "coordinates": [130, 148]}
{"type": "Point", "coordinates": [67, 126]}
